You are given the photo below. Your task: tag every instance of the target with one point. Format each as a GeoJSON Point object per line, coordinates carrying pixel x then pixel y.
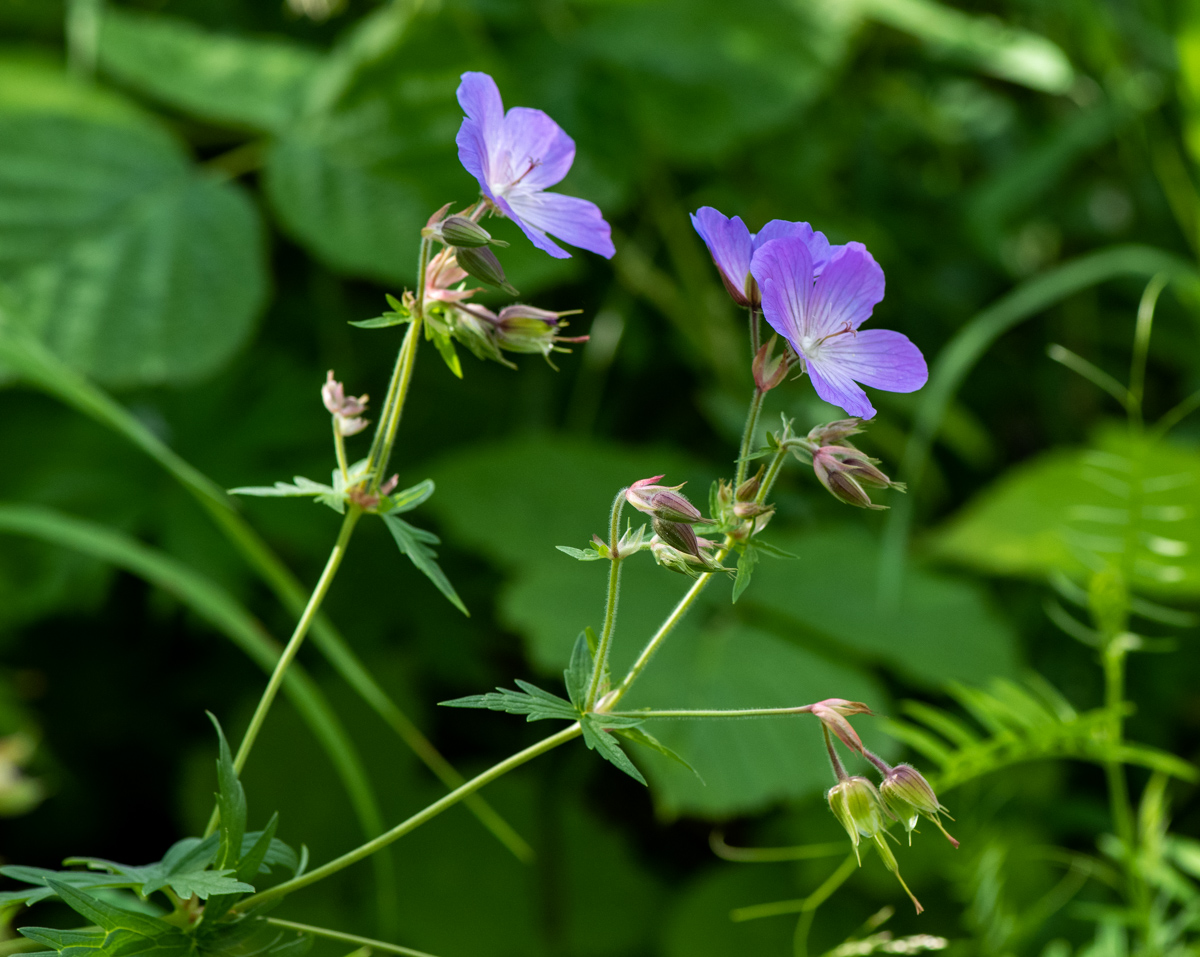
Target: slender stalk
{"type": "Point", "coordinates": [600, 667]}
{"type": "Point", "coordinates": [365, 942]}
{"type": "Point", "coordinates": [755, 335]}
{"type": "Point", "coordinates": [839, 769]}
{"type": "Point", "coordinates": [715, 713]}
{"type": "Point", "coordinates": [748, 436]}
{"type": "Point", "coordinates": [803, 904]}
{"type": "Point", "coordinates": [1175, 416]}
{"type": "Point", "coordinates": [339, 447]}
{"type": "Point", "coordinates": [421, 817]}
{"type": "Point", "coordinates": [771, 475]}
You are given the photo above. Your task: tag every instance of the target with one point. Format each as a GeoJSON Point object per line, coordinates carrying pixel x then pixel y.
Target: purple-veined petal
{"type": "Point", "coordinates": [879, 358]}
{"type": "Point", "coordinates": [818, 245]}
{"type": "Point", "coordinates": [783, 270]}
{"type": "Point", "coordinates": [837, 388]}
{"type": "Point", "coordinates": [480, 100]}
{"type": "Point", "coordinates": [847, 290]}
{"type": "Point", "coordinates": [730, 245]}
{"type": "Point", "coordinates": [539, 153]}
{"type": "Point", "coordinates": [573, 220]}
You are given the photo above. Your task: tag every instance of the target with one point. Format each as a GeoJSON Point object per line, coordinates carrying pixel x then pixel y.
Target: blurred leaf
{"type": "Point", "coordinates": [996, 48]}
{"type": "Point", "coordinates": [257, 83]}
{"type": "Point", "coordinates": [1124, 502]}
{"type": "Point", "coordinates": [128, 262]}
{"type": "Point", "coordinates": [943, 629]}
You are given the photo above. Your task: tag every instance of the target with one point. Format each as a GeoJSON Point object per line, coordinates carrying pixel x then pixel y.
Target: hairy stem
{"type": "Point", "coordinates": [716, 713]}
{"type": "Point", "coordinates": [365, 942]}
{"type": "Point", "coordinates": [600, 667]}
{"type": "Point", "coordinates": [755, 336]}
{"type": "Point", "coordinates": [339, 448]}
{"type": "Point", "coordinates": [839, 769]}
{"type": "Point", "coordinates": [421, 817]}
{"type": "Point", "coordinates": [748, 436]}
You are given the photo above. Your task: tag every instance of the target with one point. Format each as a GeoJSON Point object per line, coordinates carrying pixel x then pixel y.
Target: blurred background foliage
{"type": "Point", "coordinates": [196, 196]}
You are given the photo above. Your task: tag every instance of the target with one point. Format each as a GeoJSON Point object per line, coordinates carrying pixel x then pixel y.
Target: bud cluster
{"type": "Point", "coordinates": [738, 511]}
{"type": "Point", "coordinates": [346, 410]}
{"type": "Point", "coordinates": [675, 544]}
{"type": "Point", "coordinates": [845, 471]}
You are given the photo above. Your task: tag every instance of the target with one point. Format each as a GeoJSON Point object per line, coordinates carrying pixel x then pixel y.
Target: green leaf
{"type": "Point", "coordinates": [105, 915]}
{"type": "Point", "coordinates": [530, 700]}
{"type": "Point", "coordinates": [410, 498]}
{"type": "Point", "coordinates": [183, 869]}
{"type": "Point", "coordinates": [41, 891]}
{"type": "Point", "coordinates": [386, 321]}
{"type": "Point", "coordinates": [773, 550]}
{"type": "Point", "coordinates": [301, 488]}
{"type": "Point", "coordinates": [258, 84]}
{"type": "Point", "coordinates": [1131, 504]}
{"type": "Point", "coordinates": [579, 672]}
{"type": "Point", "coordinates": [412, 542]}
{"type": "Point", "coordinates": [231, 803]}
{"type": "Point", "coordinates": [745, 568]}
{"type": "Point", "coordinates": [645, 738]}
{"type": "Point", "coordinates": [445, 348]}
{"type": "Point", "coordinates": [128, 261]}
{"type": "Point", "coordinates": [603, 743]}
{"type": "Point", "coordinates": [250, 862]}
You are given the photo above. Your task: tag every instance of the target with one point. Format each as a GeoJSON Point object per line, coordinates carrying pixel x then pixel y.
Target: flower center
{"type": "Point", "coordinates": [810, 345]}
{"type": "Point", "coordinates": [533, 164]}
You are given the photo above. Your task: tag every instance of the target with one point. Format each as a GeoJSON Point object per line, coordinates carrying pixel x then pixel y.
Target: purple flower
{"type": "Point", "coordinates": [516, 156]}
{"type": "Point", "coordinates": [732, 246]}
{"type": "Point", "coordinates": [819, 314]}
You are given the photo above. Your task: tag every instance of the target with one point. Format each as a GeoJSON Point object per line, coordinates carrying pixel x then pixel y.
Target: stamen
{"type": "Point", "coordinates": [833, 335]}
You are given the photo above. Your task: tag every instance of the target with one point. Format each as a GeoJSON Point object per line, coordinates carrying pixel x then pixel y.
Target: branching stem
{"type": "Point", "coordinates": [600, 666]}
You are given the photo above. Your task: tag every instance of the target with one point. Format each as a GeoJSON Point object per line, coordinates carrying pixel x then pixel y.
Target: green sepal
{"type": "Point", "coordinates": [231, 804]}
{"type": "Point", "coordinates": [414, 542]}
{"type": "Point", "coordinates": [645, 738]}
{"type": "Point", "coordinates": [745, 568]}
{"type": "Point", "coordinates": [579, 672]}
{"type": "Point", "coordinates": [605, 745]}
{"type": "Point", "coordinates": [530, 700]}
{"type": "Point", "coordinates": [581, 554]}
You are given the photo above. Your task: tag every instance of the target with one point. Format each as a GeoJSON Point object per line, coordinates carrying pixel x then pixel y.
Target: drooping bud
{"type": "Point", "coordinates": [521, 328]}
{"type": "Point", "coordinates": [662, 501]}
{"type": "Point", "coordinates": [860, 810]}
{"type": "Point", "coordinates": [834, 433]}
{"type": "Point", "coordinates": [908, 796]}
{"type": "Point", "coordinates": [832, 712]}
{"type": "Point", "coordinates": [483, 265]}
{"type": "Point", "coordinates": [345, 409]}
{"type": "Point", "coordinates": [844, 471]}
{"type": "Point", "coordinates": [769, 370]}
{"type": "Point", "coordinates": [462, 232]}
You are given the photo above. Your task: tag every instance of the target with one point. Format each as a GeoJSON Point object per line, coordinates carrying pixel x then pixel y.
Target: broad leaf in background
{"type": "Point", "coordinates": [258, 84]}
{"type": "Point", "coordinates": [126, 260]}
{"type": "Point", "coordinates": [944, 628]}
{"type": "Point", "coordinates": [1123, 502]}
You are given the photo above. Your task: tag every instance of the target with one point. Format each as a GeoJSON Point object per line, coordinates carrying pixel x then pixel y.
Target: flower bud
{"type": "Point", "coordinates": [521, 328]}
{"type": "Point", "coordinates": [908, 796]}
{"type": "Point", "coordinates": [483, 265]}
{"type": "Point", "coordinates": [678, 535]}
{"type": "Point", "coordinates": [769, 370]}
{"type": "Point", "coordinates": [462, 232]}
{"type": "Point", "coordinates": [662, 501]}
{"type": "Point", "coordinates": [834, 433]}
{"type": "Point", "coordinates": [346, 410]}
{"type": "Point", "coordinates": [844, 471]}
{"type": "Point", "coordinates": [749, 488]}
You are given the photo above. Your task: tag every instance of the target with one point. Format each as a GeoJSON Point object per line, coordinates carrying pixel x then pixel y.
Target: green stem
{"type": "Point", "coordinates": [715, 713]}
{"type": "Point", "coordinates": [839, 770]}
{"type": "Point", "coordinates": [748, 436]}
{"type": "Point", "coordinates": [347, 938]}
{"type": "Point", "coordinates": [430, 812]}
{"type": "Point", "coordinates": [293, 646]}
{"type": "Point", "coordinates": [1114, 699]}
{"type": "Point", "coordinates": [803, 904]}
{"type": "Point", "coordinates": [755, 337]}
{"type": "Point", "coordinates": [600, 667]}
{"type": "Point", "coordinates": [772, 474]}
{"type": "Point", "coordinates": [1141, 346]}
{"type": "Point", "coordinates": [339, 448]}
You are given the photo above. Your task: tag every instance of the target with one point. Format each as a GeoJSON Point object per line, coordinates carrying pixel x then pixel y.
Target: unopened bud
{"type": "Point", "coordinates": [832, 713]}
{"type": "Point", "coordinates": [844, 471]}
{"type": "Point", "coordinates": [465, 233]}
{"type": "Point", "coordinates": [483, 265]}
{"type": "Point", "coordinates": [834, 433]}
{"type": "Point", "coordinates": [678, 535]}
{"type": "Point", "coordinates": [521, 328]}
{"type": "Point", "coordinates": [749, 488]}
{"type": "Point", "coordinates": [908, 796]}
{"type": "Point", "coordinates": [769, 370]}
{"type": "Point", "coordinates": [662, 501]}
{"type": "Point", "coordinates": [345, 409]}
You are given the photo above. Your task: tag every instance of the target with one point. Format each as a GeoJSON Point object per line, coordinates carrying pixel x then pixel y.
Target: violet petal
{"type": "Point", "coordinates": [783, 270]}
{"type": "Point", "coordinates": [573, 220]}
{"type": "Point", "coordinates": [847, 290]}
{"type": "Point", "coordinates": [540, 154]}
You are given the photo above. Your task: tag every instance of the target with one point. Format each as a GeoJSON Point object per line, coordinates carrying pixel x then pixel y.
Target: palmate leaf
{"type": "Point", "coordinates": [530, 700]}
{"type": "Point", "coordinates": [414, 542]}
{"type": "Point", "coordinates": [1018, 724]}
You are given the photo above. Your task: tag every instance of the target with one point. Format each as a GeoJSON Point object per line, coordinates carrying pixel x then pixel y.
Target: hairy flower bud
{"type": "Point", "coordinates": [521, 328]}
{"type": "Point", "coordinates": [662, 501]}
{"type": "Point", "coordinates": [907, 796]}
{"type": "Point", "coordinates": [678, 535]}
{"type": "Point", "coordinates": [834, 433]}
{"type": "Point", "coordinates": [483, 265]}
{"type": "Point", "coordinates": [832, 713]}
{"type": "Point", "coordinates": [466, 233]}
{"type": "Point", "coordinates": [769, 370]}
{"type": "Point", "coordinates": [844, 471]}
